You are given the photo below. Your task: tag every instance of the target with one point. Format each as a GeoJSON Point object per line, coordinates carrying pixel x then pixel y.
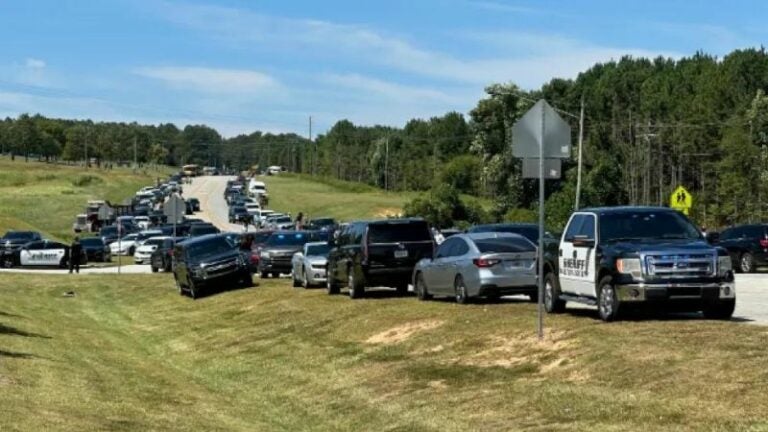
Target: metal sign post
{"type": "Point", "coordinates": [541, 138]}
{"type": "Point", "coordinates": [119, 244]}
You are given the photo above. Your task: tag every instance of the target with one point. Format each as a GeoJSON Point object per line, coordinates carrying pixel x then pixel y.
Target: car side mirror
{"type": "Point", "coordinates": [583, 242]}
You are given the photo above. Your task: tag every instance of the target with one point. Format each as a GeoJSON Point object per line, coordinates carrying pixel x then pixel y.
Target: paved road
{"type": "Point", "coordinates": [127, 269]}
{"type": "Point", "coordinates": [210, 191]}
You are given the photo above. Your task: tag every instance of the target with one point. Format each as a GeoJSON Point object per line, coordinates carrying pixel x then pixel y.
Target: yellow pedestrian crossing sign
{"type": "Point", "coordinates": [681, 200]}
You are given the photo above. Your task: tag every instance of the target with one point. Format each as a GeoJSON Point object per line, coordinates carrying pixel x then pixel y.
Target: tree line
{"type": "Point", "coordinates": [650, 125]}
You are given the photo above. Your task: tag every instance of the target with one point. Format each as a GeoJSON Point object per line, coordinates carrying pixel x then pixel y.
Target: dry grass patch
{"type": "Point", "coordinates": [402, 332]}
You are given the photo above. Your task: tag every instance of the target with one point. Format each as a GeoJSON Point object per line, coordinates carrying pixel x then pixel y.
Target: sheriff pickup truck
{"type": "Point", "coordinates": [622, 257]}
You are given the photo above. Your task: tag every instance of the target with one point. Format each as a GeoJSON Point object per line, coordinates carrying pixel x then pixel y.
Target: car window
{"type": "Point", "coordinates": [444, 250]}
{"type": "Point", "coordinates": [574, 227]}
{"type": "Point", "coordinates": [461, 248]}
{"type": "Point", "coordinates": [91, 242]}
{"type": "Point", "coordinates": [36, 245]}
{"type": "Point", "coordinates": [504, 245]}
{"type": "Point", "coordinates": [398, 232]}
{"type": "Point", "coordinates": [587, 229]}
{"type": "Point", "coordinates": [54, 245]}
{"type": "Point", "coordinates": [318, 250]}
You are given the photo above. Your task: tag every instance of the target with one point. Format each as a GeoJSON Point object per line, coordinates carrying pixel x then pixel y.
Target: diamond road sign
{"type": "Point", "coordinates": [527, 134]}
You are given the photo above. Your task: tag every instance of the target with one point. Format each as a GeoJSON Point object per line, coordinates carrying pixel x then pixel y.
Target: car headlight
{"type": "Point", "coordinates": [264, 254]}
{"type": "Point", "coordinates": [198, 271]}
{"type": "Point", "coordinates": [724, 265]}
{"type": "Point", "coordinates": [630, 266]}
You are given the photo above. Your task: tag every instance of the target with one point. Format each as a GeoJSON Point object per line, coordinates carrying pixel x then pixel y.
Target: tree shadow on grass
{"type": "Point", "coordinates": [10, 354]}
{"type": "Point", "coordinates": [8, 330]}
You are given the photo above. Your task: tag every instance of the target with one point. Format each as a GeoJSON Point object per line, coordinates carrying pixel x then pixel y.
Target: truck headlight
{"type": "Point", "coordinates": [264, 254]}
{"type": "Point", "coordinates": [198, 272]}
{"type": "Point", "coordinates": [724, 265]}
{"type": "Point", "coordinates": [630, 266]}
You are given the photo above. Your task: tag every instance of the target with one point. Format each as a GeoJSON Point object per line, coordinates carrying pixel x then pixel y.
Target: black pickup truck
{"type": "Point", "coordinates": [621, 257]}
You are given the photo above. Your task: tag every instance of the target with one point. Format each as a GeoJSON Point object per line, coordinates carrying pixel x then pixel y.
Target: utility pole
{"type": "Point", "coordinates": [87, 135]}
{"type": "Point", "coordinates": [386, 164]}
{"type": "Point", "coordinates": [312, 149]}
{"type": "Point", "coordinates": [581, 141]}
{"type": "Point", "coordinates": [135, 155]}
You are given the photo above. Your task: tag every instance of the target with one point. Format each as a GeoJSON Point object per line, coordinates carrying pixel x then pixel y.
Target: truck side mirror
{"type": "Point", "coordinates": [583, 242]}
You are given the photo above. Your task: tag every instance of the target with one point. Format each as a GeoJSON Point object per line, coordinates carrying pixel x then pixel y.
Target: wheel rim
{"type": "Point", "coordinates": [548, 293]}
{"type": "Point", "coordinates": [606, 301]}
{"type": "Point", "coordinates": [461, 291]}
{"type": "Point", "coordinates": [746, 263]}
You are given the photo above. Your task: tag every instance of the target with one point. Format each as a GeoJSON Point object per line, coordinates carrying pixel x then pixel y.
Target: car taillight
{"type": "Point", "coordinates": [764, 243]}
{"type": "Point", "coordinates": [485, 263]}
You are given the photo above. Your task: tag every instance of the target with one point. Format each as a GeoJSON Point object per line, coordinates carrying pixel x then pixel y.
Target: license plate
{"type": "Point", "coordinates": [401, 254]}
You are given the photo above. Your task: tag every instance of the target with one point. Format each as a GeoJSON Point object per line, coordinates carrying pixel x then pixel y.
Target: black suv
{"type": "Point", "coordinates": [95, 249]}
{"type": "Point", "coordinates": [276, 253]}
{"type": "Point", "coordinates": [375, 253]}
{"type": "Point", "coordinates": [197, 230]}
{"type": "Point", "coordinates": [206, 262]}
{"type": "Point", "coordinates": [195, 203]}
{"type": "Point", "coordinates": [747, 245]}
{"type": "Point", "coordinates": [15, 239]}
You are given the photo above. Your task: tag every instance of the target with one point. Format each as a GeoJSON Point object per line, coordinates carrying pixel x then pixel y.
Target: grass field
{"type": "Point", "coordinates": [342, 200]}
{"type": "Point", "coordinates": [129, 354]}
{"type": "Point", "coordinates": [46, 197]}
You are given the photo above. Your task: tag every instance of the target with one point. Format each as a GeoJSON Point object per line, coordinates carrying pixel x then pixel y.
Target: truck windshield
{"type": "Point", "coordinates": [398, 232]}
{"type": "Point", "coordinates": [646, 225]}
{"type": "Point", "coordinates": [210, 247]}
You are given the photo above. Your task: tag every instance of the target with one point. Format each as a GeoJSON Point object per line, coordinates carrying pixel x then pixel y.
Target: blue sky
{"type": "Point", "coordinates": [242, 66]}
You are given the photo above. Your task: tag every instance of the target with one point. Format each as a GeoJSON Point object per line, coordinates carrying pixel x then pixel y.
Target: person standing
{"type": "Point", "coordinates": [75, 252]}
{"type": "Point", "coordinates": [299, 221]}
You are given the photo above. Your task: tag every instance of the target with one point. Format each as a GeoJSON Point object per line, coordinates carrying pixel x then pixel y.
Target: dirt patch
{"type": "Point", "coordinates": [402, 332]}
{"type": "Point", "coordinates": [554, 355]}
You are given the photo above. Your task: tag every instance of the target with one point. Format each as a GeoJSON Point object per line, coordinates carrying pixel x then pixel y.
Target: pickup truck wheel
{"type": "Point", "coordinates": [422, 293]}
{"type": "Point", "coordinates": [722, 310]}
{"type": "Point", "coordinates": [8, 262]}
{"type": "Point", "coordinates": [179, 286]}
{"type": "Point", "coordinates": [331, 286]}
{"type": "Point", "coordinates": [131, 251]}
{"type": "Point", "coordinates": [264, 275]}
{"type": "Point", "coordinates": [194, 290]}
{"type": "Point", "coordinates": [356, 287]}
{"type": "Point", "coordinates": [296, 282]}
{"type": "Point", "coordinates": [747, 263]}
{"type": "Point", "coordinates": [460, 290]}
{"type": "Point", "coordinates": [607, 301]}
{"type": "Point", "coordinates": [552, 302]}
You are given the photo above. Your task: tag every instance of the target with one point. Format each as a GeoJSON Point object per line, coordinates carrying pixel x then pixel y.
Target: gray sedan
{"type": "Point", "coordinates": [309, 265]}
{"type": "Point", "coordinates": [478, 265]}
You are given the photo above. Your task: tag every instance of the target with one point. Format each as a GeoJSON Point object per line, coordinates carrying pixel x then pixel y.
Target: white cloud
{"type": "Point", "coordinates": [386, 89]}
{"type": "Point", "coordinates": [554, 56]}
{"type": "Point", "coordinates": [211, 80]}
{"type": "Point", "coordinates": [33, 63]}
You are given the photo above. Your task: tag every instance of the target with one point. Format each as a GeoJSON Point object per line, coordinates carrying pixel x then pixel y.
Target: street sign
{"type": "Point", "coordinates": [174, 208]}
{"type": "Point", "coordinates": [105, 212]}
{"type": "Point", "coordinates": [681, 200]}
{"type": "Point", "coordinates": [552, 168]}
{"type": "Point", "coordinates": [541, 125]}
{"type": "Point", "coordinates": [541, 138]}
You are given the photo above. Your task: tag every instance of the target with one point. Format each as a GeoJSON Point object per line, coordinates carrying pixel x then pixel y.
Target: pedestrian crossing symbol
{"type": "Point", "coordinates": [681, 200]}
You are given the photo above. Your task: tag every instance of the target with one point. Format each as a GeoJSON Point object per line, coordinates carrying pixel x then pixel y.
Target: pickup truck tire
{"type": "Point", "coordinates": [607, 301]}
{"type": "Point", "coordinates": [356, 286]}
{"type": "Point", "coordinates": [264, 275]}
{"type": "Point", "coordinates": [179, 286]}
{"type": "Point", "coordinates": [8, 262]}
{"type": "Point", "coordinates": [422, 293]}
{"type": "Point", "coordinates": [747, 263]}
{"type": "Point", "coordinates": [296, 282]}
{"type": "Point", "coordinates": [331, 286]}
{"type": "Point", "coordinates": [552, 302]}
{"type": "Point", "coordinates": [194, 290]}
{"type": "Point", "coordinates": [720, 311]}
{"type": "Point", "coordinates": [460, 289]}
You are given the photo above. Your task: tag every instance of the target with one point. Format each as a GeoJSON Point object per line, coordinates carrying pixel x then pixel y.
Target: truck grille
{"type": "Point", "coordinates": [221, 267]}
{"type": "Point", "coordinates": [680, 265]}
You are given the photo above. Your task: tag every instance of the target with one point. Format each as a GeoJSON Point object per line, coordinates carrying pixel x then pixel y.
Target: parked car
{"type": "Point", "coordinates": [143, 222]}
{"type": "Point", "coordinates": [195, 203]}
{"type": "Point", "coordinates": [39, 253]}
{"type": "Point", "coordinates": [280, 223]}
{"type": "Point", "coordinates": [197, 230]}
{"type": "Point", "coordinates": [488, 265]}
{"type": "Point", "coordinates": [202, 262]}
{"type": "Point", "coordinates": [322, 224]}
{"type": "Point", "coordinates": [95, 249]}
{"type": "Point", "coordinates": [308, 265]}
{"type": "Point", "coordinates": [747, 245]}
{"type": "Point", "coordinates": [15, 239]}
{"type": "Point", "coordinates": [238, 214]}
{"type": "Point", "coordinates": [276, 253]}
{"type": "Point", "coordinates": [162, 256]}
{"type": "Point", "coordinates": [377, 253]}
{"type": "Point", "coordinates": [128, 244]}
{"type": "Point", "coordinates": [144, 252]}
{"type": "Point", "coordinates": [619, 258]}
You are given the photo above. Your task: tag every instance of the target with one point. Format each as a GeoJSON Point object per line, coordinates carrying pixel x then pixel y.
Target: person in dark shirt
{"type": "Point", "coordinates": [75, 252]}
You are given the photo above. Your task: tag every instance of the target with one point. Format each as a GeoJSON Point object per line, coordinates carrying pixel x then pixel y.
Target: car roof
{"type": "Point", "coordinates": [625, 209]}
{"type": "Point", "coordinates": [488, 235]}
{"type": "Point", "coordinates": [393, 221]}
{"type": "Point", "coordinates": [201, 239]}
{"type": "Point", "coordinates": [316, 244]}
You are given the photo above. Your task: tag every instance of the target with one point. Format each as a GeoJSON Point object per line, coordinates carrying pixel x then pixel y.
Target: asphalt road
{"type": "Point", "coordinates": [210, 191]}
